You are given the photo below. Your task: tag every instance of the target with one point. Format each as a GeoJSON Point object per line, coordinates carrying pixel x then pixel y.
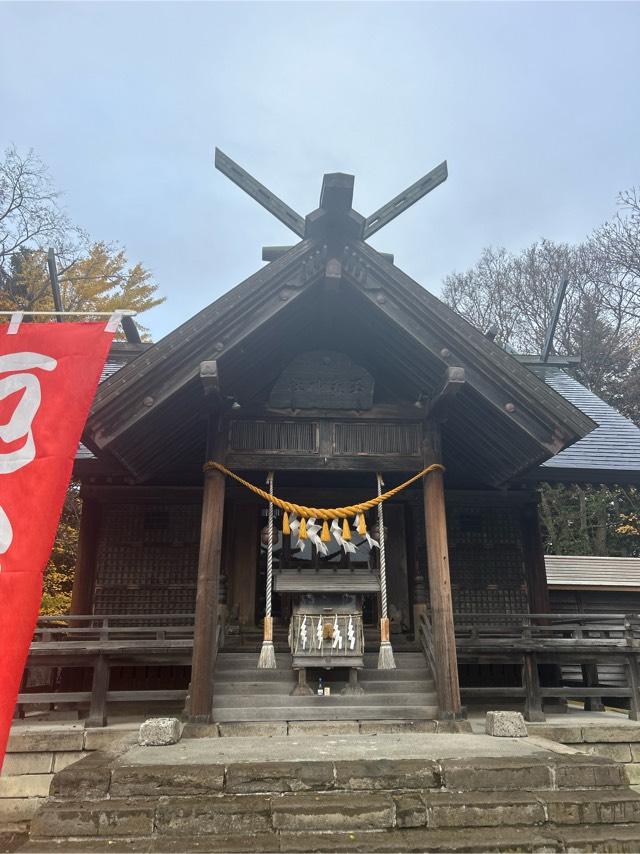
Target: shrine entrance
{"type": "Point", "coordinates": [304, 570]}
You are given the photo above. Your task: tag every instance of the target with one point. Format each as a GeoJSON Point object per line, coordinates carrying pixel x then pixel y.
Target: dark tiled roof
{"type": "Point", "coordinates": [610, 453]}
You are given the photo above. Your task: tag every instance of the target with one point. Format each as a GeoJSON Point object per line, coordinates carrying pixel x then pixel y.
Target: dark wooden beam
{"type": "Point", "coordinates": [533, 558]}
{"type": "Point", "coordinates": [272, 253]}
{"type": "Point", "coordinates": [209, 560]}
{"type": "Point", "coordinates": [260, 193]}
{"type": "Point", "coordinates": [337, 192]}
{"type": "Point", "coordinates": [404, 200]}
{"type": "Point", "coordinates": [446, 677]}
{"type": "Point", "coordinates": [84, 578]}
{"type": "Point", "coordinates": [454, 380]}
{"type": "Point", "coordinates": [130, 329]}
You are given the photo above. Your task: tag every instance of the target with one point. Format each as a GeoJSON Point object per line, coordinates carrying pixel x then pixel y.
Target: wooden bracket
{"type": "Point", "coordinates": [438, 406]}
{"type": "Point", "coordinates": [210, 378]}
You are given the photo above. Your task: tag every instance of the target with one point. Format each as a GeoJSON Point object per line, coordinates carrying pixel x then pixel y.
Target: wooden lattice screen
{"type": "Point", "coordinates": [147, 559]}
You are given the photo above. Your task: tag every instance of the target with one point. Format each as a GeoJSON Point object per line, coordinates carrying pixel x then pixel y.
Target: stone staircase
{"type": "Point", "coordinates": [545, 801]}
{"type": "Point", "coordinates": [244, 693]}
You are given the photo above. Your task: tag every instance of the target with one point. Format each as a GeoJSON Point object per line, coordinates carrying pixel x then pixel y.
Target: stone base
{"type": "Point", "coordinates": [394, 793]}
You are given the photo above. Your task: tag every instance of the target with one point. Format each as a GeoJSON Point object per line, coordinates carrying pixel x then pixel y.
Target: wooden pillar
{"type": "Point", "coordinates": [84, 578]}
{"type": "Point", "coordinates": [536, 574]}
{"type": "Point", "coordinates": [99, 690]}
{"type": "Point", "coordinates": [533, 555]}
{"type": "Point", "coordinates": [444, 639]}
{"type": "Point", "coordinates": [206, 616]}
{"type": "Point", "coordinates": [531, 683]}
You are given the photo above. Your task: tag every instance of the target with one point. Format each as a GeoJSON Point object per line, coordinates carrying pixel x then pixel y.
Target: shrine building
{"type": "Point", "coordinates": [327, 379]}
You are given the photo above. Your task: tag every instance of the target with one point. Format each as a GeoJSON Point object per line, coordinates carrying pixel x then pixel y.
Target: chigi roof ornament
{"type": "Point", "coordinates": [335, 218]}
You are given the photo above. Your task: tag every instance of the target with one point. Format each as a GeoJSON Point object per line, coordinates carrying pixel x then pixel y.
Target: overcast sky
{"type": "Point", "coordinates": [536, 107]}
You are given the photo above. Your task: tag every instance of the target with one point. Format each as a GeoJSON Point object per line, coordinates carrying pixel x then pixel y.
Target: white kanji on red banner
{"type": "Point", "coordinates": [48, 377]}
{"type": "Point", "coordinates": [20, 424]}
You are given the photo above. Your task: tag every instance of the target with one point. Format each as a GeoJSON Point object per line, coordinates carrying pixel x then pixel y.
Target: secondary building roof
{"type": "Point", "coordinates": [609, 454]}
{"type": "Point", "coordinates": [580, 572]}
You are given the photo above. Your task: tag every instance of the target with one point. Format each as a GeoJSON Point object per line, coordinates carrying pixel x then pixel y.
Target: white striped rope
{"type": "Point", "coordinates": [383, 561]}
{"type": "Point", "coordinates": [267, 609]}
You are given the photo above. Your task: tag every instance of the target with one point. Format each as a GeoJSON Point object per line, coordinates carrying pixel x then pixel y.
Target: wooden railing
{"type": "Point", "coordinates": [584, 641]}
{"type": "Point", "coordinates": [113, 627]}
{"type": "Point", "coordinates": [101, 642]}
{"type": "Point", "coordinates": [425, 636]}
{"type": "Point", "coordinates": [548, 630]}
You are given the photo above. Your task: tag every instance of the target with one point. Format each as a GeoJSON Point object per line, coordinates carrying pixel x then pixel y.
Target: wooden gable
{"type": "Point", "coordinates": [333, 292]}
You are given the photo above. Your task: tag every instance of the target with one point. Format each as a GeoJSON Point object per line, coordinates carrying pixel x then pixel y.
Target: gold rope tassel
{"type": "Point", "coordinates": [286, 530]}
{"type": "Point", "coordinates": [346, 530]}
{"type": "Point", "coordinates": [267, 660]}
{"type": "Point", "coordinates": [362, 525]}
{"type": "Point", "coordinates": [325, 536]}
{"type": "Point", "coordinates": [302, 531]}
{"type": "Point", "coordinates": [386, 660]}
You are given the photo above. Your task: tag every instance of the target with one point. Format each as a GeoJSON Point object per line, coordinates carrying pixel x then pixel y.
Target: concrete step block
{"type": "Point", "coordinates": [379, 727]}
{"type": "Point", "coordinates": [231, 814]}
{"type": "Point", "coordinates": [28, 763]}
{"type": "Point", "coordinates": [67, 757]}
{"type": "Point", "coordinates": [589, 772]}
{"type": "Point", "coordinates": [491, 809]}
{"type": "Point", "coordinates": [609, 837]}
{"type": "Point", "coordinates": [225, 688]}
{"type": "Point", "coordinates": [256, 777]}
{"type": "Point", "coordinates": [243, 729]}
{"type": "Point", "coordinates": [333, 811]}
{"type": "Point", "coordinates": [134, 781]}
{"type": "Point", "coordinates": [45, 738]}
{"type": "Point", "coordinates": [496, 774]}
{"type": "Point", "coordinates": [335, 700]}
{"type": "Point", "coordinates": [375, 774]}
{"type": "Point", "coordinates": [617, 806]}
{"type": "Point", "coordinates": [25, 786]}
{"type": "Point", "coordinates": [86, 819]}
{"type": "Point", "coordinates": [325, 713]}
{"type": "Point", "coordinates": [16, 810]}
{"type": "Point", "coordinates": [422, 840]}
{"type": "Point", "coordinates": [313, 728]}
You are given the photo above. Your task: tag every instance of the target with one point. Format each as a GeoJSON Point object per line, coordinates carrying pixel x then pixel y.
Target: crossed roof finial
{"type": "Point", "coordinates": [337, 191]}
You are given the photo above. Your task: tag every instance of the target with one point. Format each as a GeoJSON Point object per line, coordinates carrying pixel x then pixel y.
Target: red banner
{"type": "Point", "coordinates": [48, 377]}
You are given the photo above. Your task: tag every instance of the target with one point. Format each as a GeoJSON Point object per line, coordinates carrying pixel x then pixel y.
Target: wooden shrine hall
{"type": "Point", "coordinates": [326, 379]}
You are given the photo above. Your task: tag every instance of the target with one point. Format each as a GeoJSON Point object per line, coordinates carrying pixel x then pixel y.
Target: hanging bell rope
{"type": "Point", "coordinates": [267, 660]}
{"type": "Point", "coordinates": [386, 660]}
{"type": "Point", "coordinates": [316, 512]}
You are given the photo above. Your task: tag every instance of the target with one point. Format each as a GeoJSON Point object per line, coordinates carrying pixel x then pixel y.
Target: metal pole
{"type": "Point", "coordinates": [551, 331]}
{"type": "Point", "coordinates": [55, 284]}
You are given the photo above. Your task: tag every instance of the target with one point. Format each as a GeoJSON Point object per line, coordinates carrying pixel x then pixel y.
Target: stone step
{"type": "Point", "coordinates": [283, 661]}
{"type": "Point", "coordinates": [283, 664]}
{"type": "Point", "coordinates": [548, 838]}
{"type": "Point", "coordinates": [288, 675]}
{"type": "Point", "coordinates": [345, 811]}
{"type": "Point", "coordinates": [386, 711]}
{"type": "Point", "coordinates": [335, 700]}
{"type": "Point", "coordinates": [224, 688]}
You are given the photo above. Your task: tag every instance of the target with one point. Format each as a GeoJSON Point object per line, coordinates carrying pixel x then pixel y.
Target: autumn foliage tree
{"type": "Point", "coordinates": [94, 277]}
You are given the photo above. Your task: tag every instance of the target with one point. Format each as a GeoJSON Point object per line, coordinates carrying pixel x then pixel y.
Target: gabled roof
{"type": "Point", "coordinates": [609, 454]}
{"type": "Point", "coordinates": [581, 572]}
{"type": "Point", "coordinates": [333, 291]}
